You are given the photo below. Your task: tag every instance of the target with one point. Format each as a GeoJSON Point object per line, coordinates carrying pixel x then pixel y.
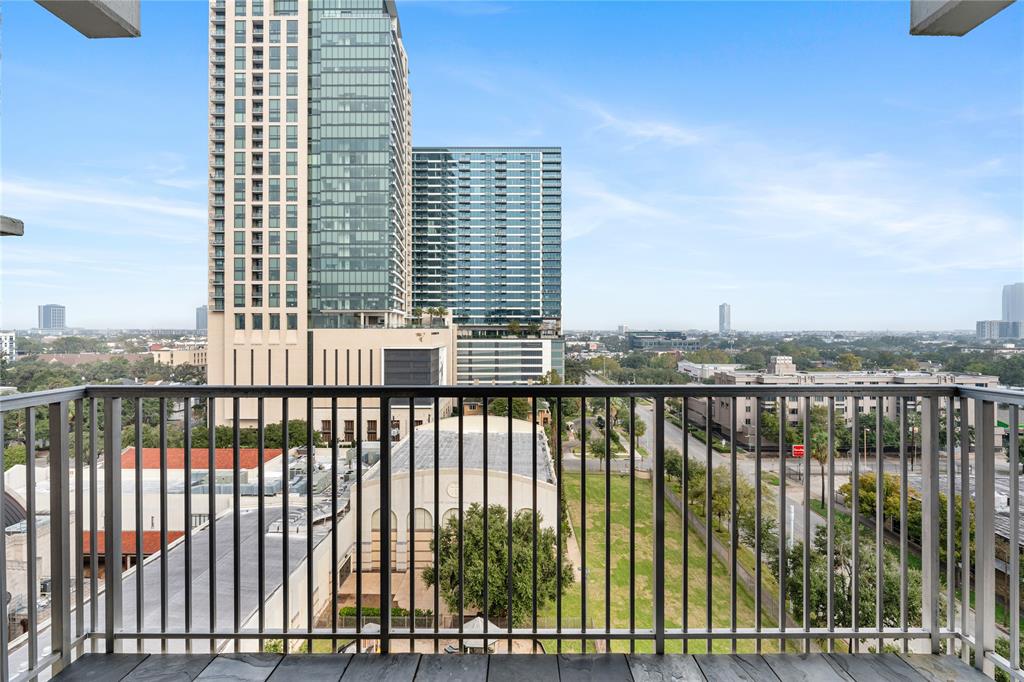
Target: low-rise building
{"type": "Point", "coordinates": [660, 341]}
{"type": "Point", "coordinates": [180, 356]}
{"type": "Point", "coordinates": [8, 346]}
{"type": "Point", "coordinates": [782, 372]}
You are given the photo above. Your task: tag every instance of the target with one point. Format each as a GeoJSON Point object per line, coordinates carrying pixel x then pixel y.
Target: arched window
{"type": "Point", "coordinates": [423, 519]}
{"type": "Point", "coordinates": [452, 513]}
{"type": "Point", "coordinates": [375, 521]}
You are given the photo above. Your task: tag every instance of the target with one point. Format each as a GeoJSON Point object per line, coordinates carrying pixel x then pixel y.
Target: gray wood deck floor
{"type": "Point", "coordinates": [518, 668]}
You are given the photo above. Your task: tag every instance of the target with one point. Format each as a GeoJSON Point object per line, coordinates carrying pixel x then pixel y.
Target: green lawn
{"type": "Point", "coordinates": [595, 549]}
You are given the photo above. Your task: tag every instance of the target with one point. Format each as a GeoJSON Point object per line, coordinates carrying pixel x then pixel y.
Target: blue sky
{"type": "Point", "coordinates": [810, 163]}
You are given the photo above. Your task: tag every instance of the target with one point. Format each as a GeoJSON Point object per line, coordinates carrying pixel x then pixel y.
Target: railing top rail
{"type": "Point", "coordinates": [20, 401]}
{"type": "Point", "coordinates": [523, 391]}
{"type": "Point", "coordinates": [40, 398]}
{"type": "Point", "coordinates": [1007, 396]}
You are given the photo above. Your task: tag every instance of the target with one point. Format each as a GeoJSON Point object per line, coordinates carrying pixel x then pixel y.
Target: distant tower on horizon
{"type": "Point", "coordinates": [52, 317]}
{"type": "Point", "coordinates": [724, 319]}
{"type": "Point", "coordinates": [1013, 302]}
{"type": "Point", "coordinates": [201, 313]}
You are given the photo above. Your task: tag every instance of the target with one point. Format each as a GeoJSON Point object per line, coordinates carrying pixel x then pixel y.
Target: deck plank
{"type": "Point", "coordinates": [943, 668]}
{"type": "Point", "coordinates": [670, 668]}
{"type": "Point", "coordinates": [382, 667]}
{"type": "Point", "coordinates": [250, 667]}
{"type": "Point", "coordinates": [452, 668]}
{"type": "Point", "coordinates": [170, 668]}
{"type": "Point", "coordinates": [806, 668]}
{"type": "Point", "coordinates": [597, 667]}
{"type": "Point", "coordinates": [311, 668]}
{"type": "Point", "coordinates": [521, 667]}
{"type": "Point", "coordinates": [869, 667]}
{"type": "Point", "coordinates": [101, 667]}
{"type": "Point", "coordinates": [735, 668]}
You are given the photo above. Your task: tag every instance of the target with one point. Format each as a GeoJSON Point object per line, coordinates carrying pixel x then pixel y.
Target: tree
{"type": "Point", "coordinates": [446, 573]}
{"type": "Point", "coordinates": [848, 362]}
{"type": "Point", "coordinates": [520, 408]}
{"type": "Point", "coordinates": [513, 328]}
{"type": "Point", "coordinates": [14, 454]}
{"type": "Point", "coordinates": [841, 568]}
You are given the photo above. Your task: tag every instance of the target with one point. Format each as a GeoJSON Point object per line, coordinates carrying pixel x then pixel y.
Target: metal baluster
{"type": "Point", "coordinates": [632, 524]}
{"type": "Point", "coordinates": [286, 525]}
{"type": "Point", "coordinates": [807, 523]}
{"type": "Point", "coordinates": [658, 564]}
{"type": "Point", "coordinates": [733, 521]}
{"type": "Point", "coordinates": [508, 499]}
{"type": "Point", "coordinates": [112, 520]}
{"type": "Point", "coordinates": [140, 582]}
{"type": "Point", "coordinates": [904, 482]}
{"type": "Point", "coordinates": [533, 476]}
{"type": "Point", "coordinates": [359, 516]}
{"type": "Point", "coordinates": [164, 594]}
{"type": "Point", "coordinates": [783, 418]}
{"type": "Point", "coordinates": [187, 429]}
{"type": "Point", "coordinates": [685, 523]}
{"type": "Point", "coordinates": [384, 467]}
{"type": "Point", "coordinates": [310, 459]}
{"type": "Point", "coordinates": [94, 561]}
{"type": "Point", "coordinates": [984, 535]}
{"type": "Point", "coordinates": [411, 559]}
{"type": "Point", "coordinates": [236, 519]}
{"type": "Point", "coordinates": [437, 518]}
{"type": "Point", "coordinates": [211, 501]}
{"type": "Point", "coordinates": [583, 523]}
{"type": "Point", "coordinates": [60, 562]}
{"type": "Point", "coordinates": [334, 511]}
{"type": "Point", "coordinates": [855, 526]}
{"type": "Point", "coordinates": [965, 525]}
{"type": "Point", "coordinates": [950, 525]}
{"type": "Point", "coordinates": [708, 531]}
{"type": "Point", "coordinates": [558, 527]}
{"type": "Point", "coordinates": [485, 470]}
{"type": "Point", "coordinates": [261, 518]}
{"type": "Point", "coordinates": [607, 521]}
{"type": "Point", "coordinates": [930, 521]}
{"type": "Point", "coordinates": [31, 521]}
{"type": "Point", "coordinates": [831, 524]}
{"type": "Point", "coordinates": [77, 540]}
{"type": "Point", "coordinates": [462, 554]}
{"type": "Point", "coordinates": [758, 407]}
{"type": "Point", "coordinates": [1014, 554]}
{"type": "Point", "coordinates": [879, 517]}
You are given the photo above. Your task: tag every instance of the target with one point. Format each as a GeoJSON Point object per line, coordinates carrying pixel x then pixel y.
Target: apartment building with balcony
{"type": "Point", "coordinates": [487, 246]}
{"type": "Point", "coordinates": [310, 198]}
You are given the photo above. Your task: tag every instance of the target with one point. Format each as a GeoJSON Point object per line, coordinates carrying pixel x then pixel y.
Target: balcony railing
{"type": "Point", "coordinates": [226, 543]}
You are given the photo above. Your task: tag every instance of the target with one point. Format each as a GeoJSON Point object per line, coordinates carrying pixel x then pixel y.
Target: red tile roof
{"type": "Point", "coordinates": [248, 458]}
{"type": "Point", "coordinates": [150, 541]}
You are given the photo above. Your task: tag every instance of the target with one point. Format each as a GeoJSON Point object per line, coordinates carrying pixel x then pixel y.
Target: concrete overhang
{"type": "Point", "coordinates": [11, 227]}
{"type": "Point", "coordinates": [951, 17]}
{"type": "Point", "coordinates": [99, 18]}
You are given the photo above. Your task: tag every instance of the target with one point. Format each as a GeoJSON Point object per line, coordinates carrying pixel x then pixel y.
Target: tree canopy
{"type": "Point", "coordinates": [446, 574]}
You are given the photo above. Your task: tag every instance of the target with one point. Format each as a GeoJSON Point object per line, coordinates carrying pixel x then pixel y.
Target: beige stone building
{"type": "Point", "coordinates": [180, 356]}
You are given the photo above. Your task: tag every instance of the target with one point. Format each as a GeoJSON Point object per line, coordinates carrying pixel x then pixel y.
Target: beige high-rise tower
{"type": "Point", "coordinates": [310, 201]}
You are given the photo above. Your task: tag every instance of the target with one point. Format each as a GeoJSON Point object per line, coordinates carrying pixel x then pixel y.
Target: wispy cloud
{"type": "Point", "coordinates": [640, 128]}
{"type": "Point", "coordinates": [51, 193]}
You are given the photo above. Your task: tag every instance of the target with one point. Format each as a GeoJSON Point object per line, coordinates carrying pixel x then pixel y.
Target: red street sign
{"type": "Point", "coordinates": [798, 450]}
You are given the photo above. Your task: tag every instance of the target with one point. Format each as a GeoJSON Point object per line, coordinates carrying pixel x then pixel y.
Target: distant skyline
{"type": "Point", "coordinates": [810, 163]}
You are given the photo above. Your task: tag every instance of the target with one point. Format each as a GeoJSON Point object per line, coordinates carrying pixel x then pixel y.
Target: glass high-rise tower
{"type": "Point", "coordinates": [487, 235]}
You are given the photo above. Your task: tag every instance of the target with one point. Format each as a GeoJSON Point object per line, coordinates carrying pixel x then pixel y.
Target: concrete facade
{"type": "Point", "coordinates": [8, 346]}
